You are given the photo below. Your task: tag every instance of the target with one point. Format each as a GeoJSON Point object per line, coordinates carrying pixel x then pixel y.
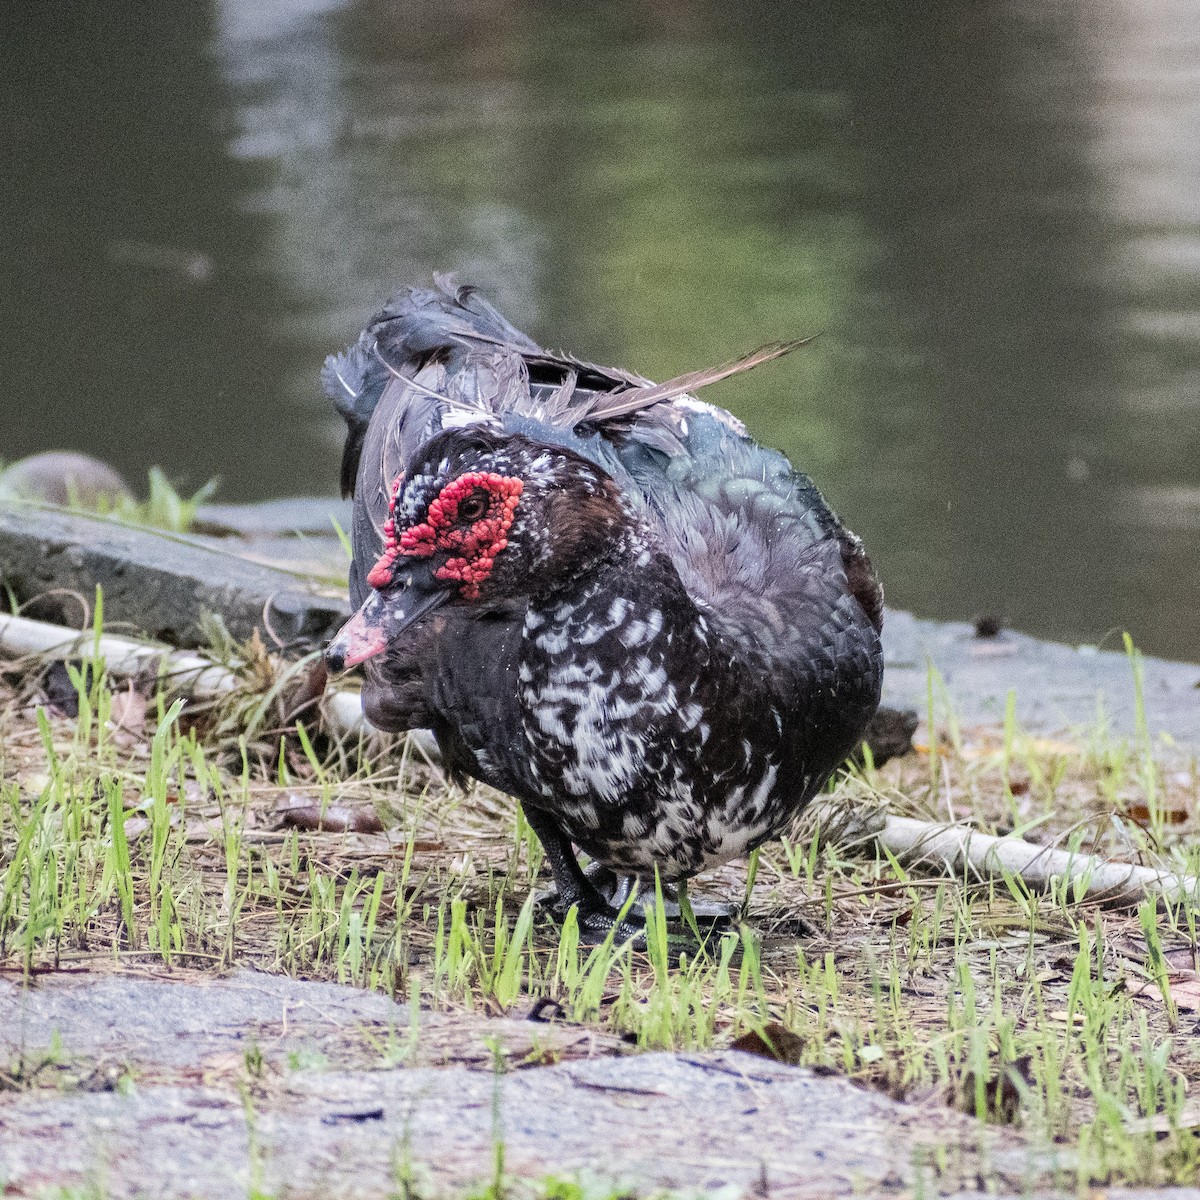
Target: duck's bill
{"type": "Point", "coordinates": [381, 619]}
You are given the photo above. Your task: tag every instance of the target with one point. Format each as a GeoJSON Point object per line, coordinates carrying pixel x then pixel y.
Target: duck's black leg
{"type": "Point", "coordinates": [596, 916]}
{"type": "Point", "coordinates": [615, 890]}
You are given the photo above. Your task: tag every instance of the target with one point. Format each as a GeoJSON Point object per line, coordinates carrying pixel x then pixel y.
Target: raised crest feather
{"type": "Point", "coordinates": [445, 356]}
{"type": "Point", "coordinates": [455, 326]}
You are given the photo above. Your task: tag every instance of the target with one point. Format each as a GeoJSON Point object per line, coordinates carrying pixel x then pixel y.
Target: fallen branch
{"type": "Point", "coordinates": [186, 673]}
{"type": "Point", "coordinates": [190, 674]}
{"type": "Point", "coordinates": [958, 849]}
{"type": "Point", "coordinates": [962, 851]}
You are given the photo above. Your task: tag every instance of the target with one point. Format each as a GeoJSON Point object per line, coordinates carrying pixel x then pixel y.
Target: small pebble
{"type": "Point", "coordinates": [988, 625]}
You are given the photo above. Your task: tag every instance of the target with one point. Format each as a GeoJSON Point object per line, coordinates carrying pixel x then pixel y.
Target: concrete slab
{"type": "Point", "coordinates": [1056, 686]}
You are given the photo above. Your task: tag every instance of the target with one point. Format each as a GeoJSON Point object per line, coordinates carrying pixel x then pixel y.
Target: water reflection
{"type": "Point", "coordinates": [989, 211]}
{"type": "Point", "coordinates": [981, 198]}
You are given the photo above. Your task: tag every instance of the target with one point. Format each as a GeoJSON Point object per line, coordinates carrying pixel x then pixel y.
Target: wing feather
{"type": "Point", "coordinates": [622, 404]}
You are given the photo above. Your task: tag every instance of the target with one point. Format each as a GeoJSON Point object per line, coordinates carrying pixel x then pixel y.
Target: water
{"type": "Point", "coordinates": [990, 212]}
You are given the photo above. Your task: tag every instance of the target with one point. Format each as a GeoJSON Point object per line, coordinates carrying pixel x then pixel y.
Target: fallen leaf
{"type": "Point", "coordinates": [135, 827]}
{"type": "Point", "coordinates": [772, 1041]}
{"type": "Point", "coordinates": [1182, 958]}
{"type": "Point", "coordinates": [302, 812]}
{"type": "Point", "coordinates": [1179, 957]}
{"type": "Point", "coordinates": [463, 864]}
{"type": "Point", "coordinates": [1183, 986]}
{"type": "Point", "coordinates": [1061, 1016]}
{"type": "Point", "coordinates": [1140, 814]}
{"type": "Point", "coordinates": [309, 689]}
{"type": "Point", "coordinates": [128, 710]}
{"type": "Point", "coordinates": [35, 783]}
{"type": "Point", "coordinates": [58, 687]}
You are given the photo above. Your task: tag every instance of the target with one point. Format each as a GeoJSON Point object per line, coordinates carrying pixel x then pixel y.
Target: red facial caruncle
{"type": "Point", "coordinates": [472, 548]}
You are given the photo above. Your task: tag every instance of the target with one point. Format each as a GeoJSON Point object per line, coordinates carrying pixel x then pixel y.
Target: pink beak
{"type": "Point", "coordinates": [379, 621]}
{"type": "Point", "coordinates": [362, 637]}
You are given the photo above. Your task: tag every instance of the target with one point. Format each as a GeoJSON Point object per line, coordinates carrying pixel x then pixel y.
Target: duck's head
{"type": "Point", "coordinates": [477, 519]}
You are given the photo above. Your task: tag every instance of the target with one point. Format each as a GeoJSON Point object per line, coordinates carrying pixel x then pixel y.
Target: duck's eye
{"type": "Point", "coordinates": [472, 508]}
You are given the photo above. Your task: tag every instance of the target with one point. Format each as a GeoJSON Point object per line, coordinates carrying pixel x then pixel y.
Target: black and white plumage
{"type": "Point", "coordinates": [599, 593]}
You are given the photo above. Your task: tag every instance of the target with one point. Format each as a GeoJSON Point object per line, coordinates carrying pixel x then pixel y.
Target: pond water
{"type": "Point", "coordinates": [990, 213]}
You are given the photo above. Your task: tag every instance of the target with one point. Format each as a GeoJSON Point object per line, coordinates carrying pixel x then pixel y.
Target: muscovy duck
{"type": "Point", "coordinates": [599, 593]}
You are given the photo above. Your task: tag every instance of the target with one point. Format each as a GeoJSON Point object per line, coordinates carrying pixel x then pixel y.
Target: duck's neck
{"type": "Point", "coordinates": [623, 664]}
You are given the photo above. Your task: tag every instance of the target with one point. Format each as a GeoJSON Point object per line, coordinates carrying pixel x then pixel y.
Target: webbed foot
{"type": "Point", "coordinates": [598, 920]}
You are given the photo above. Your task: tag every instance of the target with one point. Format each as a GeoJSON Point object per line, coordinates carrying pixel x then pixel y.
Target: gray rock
{"type": "Point", "coordinates": [309, 515]}
{"type": "Point", "coordinates": [158, 584]}
{"type": "Point", "coordinates": [64, 477]}
{"type": "Point", "coordinates": [708, 1121]}
{"type": "Point", "coordinates": [183, 1017]}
